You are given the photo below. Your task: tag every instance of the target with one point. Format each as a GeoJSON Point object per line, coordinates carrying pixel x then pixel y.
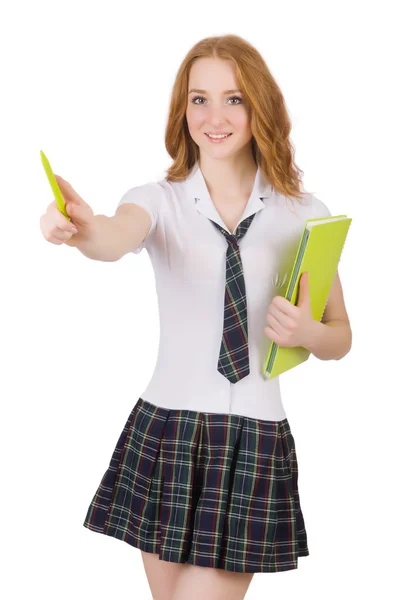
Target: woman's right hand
{"type": "Point", "coordinates": [56, 228]}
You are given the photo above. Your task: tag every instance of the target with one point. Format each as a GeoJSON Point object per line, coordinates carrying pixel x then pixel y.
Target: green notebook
{"type": "Point", "coordinates": [319, 252]}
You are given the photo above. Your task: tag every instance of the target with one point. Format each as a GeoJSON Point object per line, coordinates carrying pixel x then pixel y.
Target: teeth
{"type": "Point", "coordinates": [217, 136]}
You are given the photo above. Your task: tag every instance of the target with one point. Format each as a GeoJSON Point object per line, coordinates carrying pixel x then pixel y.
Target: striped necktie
{"type": "Point", "coordinates": [233, 360]}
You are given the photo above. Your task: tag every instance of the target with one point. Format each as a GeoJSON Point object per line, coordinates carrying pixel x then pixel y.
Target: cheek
{"type": "Point", "coordinates": [241, 122]}
{"type": "Point", "coordinates": [194, 119]}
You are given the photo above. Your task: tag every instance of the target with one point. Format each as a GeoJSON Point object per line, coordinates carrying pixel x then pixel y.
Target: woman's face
{"type": "Point", "coordinates": [215, 111]}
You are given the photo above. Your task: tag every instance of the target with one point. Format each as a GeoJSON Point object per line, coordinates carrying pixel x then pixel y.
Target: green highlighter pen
{"type": "Point", "coordinates": [54, 185]}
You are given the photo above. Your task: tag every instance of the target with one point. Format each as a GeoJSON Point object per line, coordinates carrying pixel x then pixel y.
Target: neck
{"type": "Point", "coordinates": [232, 178]}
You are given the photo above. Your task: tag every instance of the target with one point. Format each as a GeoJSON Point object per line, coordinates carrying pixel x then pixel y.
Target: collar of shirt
{"type": "Point", "coordinates": [197, 189]}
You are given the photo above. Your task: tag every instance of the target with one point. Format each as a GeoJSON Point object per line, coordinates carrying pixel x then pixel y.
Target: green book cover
{"type": "Point", "coordinates": [319, 252]}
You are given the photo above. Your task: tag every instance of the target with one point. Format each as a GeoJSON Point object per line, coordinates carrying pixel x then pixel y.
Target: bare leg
{"type": "Point", "coordinates": [161, 575]}
{"type": "Point", "coordinates": [197, 583]}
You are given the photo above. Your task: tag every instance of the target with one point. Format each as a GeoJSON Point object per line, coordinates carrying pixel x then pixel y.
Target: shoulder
{"type": "Point", "coordinates": [307, 207]}
{"type": "Point", "coordinates": [153, 195]}
{"type": "Point", "coordinates": [317, 207]}
{"type": "Point", "coordinates": [153, 190]}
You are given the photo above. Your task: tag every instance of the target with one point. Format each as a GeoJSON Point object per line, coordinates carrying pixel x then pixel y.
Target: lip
{"type": "Point", "coordinates": [218, 141]}
{"type": "Point", "coordinates": [217, 133]}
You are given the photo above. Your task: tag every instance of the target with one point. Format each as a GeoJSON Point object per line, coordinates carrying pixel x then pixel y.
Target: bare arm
{"type": "Point", "coordinates": [113, 237]}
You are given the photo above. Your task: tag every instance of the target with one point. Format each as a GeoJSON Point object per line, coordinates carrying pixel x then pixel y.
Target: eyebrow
{"type": "Point", "coordinates": [204, 92]}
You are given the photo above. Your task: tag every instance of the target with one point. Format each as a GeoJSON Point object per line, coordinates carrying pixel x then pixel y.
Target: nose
{"type": "Point", "coordinates": [216, 114]}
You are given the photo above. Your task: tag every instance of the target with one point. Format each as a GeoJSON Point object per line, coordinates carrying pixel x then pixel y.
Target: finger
{"type": "Point", "coordinates": [284, 319]}
{"type": "Point", "coordinates": [285, 306]}
{"type": "Point", "coordinates": [57, 221]}
{"type": "Point", "coordinates": [65, 225]}
{"type": "Point", "coordinates": [60, 235]}
{"type": "Point", "coordinates": [271, 334]}
{"type": "Point", "coordinates": [303, 290]}
{"type": "Point", "coordinates": [81, 214]}
{"type": "Point", "coordinates": [64, 233]}
{"type": "Point", "coordinates": [68, 191]}
{"type": "Point", "coordinates": [276, 325]}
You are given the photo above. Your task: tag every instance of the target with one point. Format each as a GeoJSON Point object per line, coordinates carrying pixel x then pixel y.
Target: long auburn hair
{"type": "Point", "coordinates": [270, 124]}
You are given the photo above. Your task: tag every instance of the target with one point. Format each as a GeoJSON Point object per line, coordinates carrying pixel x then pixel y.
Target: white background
{"type": "Point", "coordinates": [89, 83]}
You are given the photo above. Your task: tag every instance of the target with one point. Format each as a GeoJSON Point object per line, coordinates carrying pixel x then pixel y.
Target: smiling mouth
{"type": "Point", "coordinates": [228, 135]}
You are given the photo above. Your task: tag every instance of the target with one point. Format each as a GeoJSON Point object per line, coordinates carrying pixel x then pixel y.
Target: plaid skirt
{"type": "Point", "coordinates": [209, 489]}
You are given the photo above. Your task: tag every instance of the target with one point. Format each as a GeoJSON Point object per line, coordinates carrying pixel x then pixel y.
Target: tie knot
{"type": "Point", "coordinates": [233, 239]}
{"type": "Point", "coordinates": [240, 231]}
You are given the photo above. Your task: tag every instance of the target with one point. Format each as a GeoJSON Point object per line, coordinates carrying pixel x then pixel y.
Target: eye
{"type": "Point", "coordinates": [197, 98]}
{"type": "Point", "coordinates": [236, 98]}
{"type": "Point", "coordinates": [231, 98]}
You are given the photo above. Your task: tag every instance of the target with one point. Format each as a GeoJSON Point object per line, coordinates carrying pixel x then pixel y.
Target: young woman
{"type": "Point", "coordinates": [204, 476]}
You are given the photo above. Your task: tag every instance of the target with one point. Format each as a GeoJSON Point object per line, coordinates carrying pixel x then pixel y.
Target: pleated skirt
{"type": "Point", "coordinates": [209, 489]}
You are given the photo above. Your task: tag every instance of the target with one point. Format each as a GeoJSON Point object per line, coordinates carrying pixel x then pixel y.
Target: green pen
{"type": "Point", "coordinates": [54, 185]}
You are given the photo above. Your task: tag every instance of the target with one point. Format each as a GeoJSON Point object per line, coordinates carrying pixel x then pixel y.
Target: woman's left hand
{"type": "Point", "coordinates": [290, 325]}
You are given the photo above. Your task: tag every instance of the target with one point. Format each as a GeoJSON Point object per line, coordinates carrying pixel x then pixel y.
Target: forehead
{"type": "Point", "coordinates": [214, 73]}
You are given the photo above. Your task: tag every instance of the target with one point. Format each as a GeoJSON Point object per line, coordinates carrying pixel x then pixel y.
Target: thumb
{"type": "Point", "coordinates": [78, 210]}
{"type": "Point", "coordinates": [303, 288]}
{"type": "Point", "coordinates": [68, 192]}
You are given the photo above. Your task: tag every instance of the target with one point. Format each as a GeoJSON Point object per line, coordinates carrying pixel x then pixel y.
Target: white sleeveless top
{"type": "Point", "coordinates": [188, 257]}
